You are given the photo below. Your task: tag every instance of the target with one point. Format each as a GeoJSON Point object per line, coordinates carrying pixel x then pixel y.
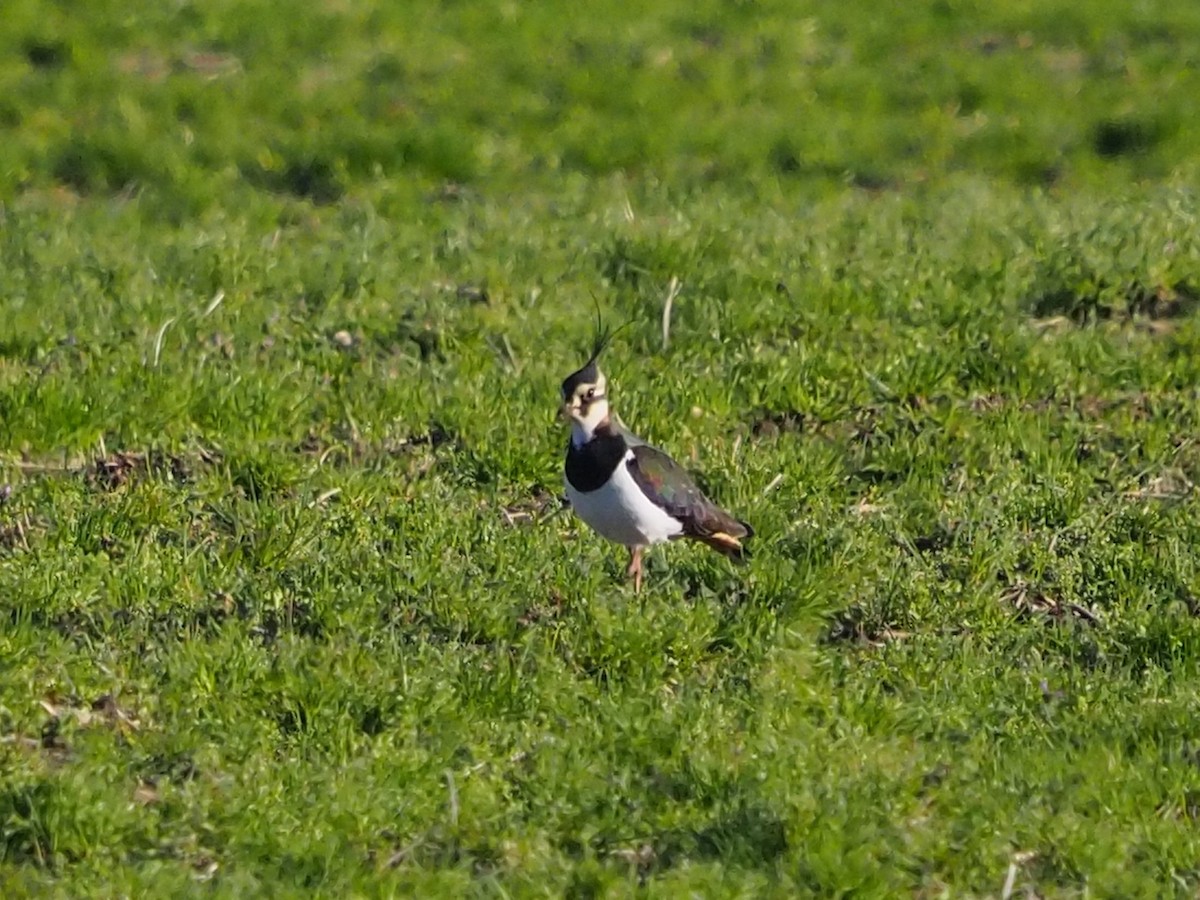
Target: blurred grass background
{"type": "Point", "coordinates": [191, 104]}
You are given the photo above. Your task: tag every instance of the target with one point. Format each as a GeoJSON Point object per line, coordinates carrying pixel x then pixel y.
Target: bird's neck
{"type": "Point", "coordinates": [583, 430]}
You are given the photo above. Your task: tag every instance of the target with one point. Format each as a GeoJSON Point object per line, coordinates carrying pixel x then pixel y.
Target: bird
{"type": "Point", "coordinates": [627, 490]}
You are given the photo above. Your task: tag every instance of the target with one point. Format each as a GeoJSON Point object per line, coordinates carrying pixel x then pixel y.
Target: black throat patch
{"type": "Point", "coordinates": [589, 467]}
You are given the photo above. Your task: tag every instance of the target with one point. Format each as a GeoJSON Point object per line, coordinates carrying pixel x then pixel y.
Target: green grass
{"type": "Point", "coordinates": [289, 604]}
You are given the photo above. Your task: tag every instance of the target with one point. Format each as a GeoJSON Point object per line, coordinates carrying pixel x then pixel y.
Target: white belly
{"type": "Point", "coordinates": [621, 512]}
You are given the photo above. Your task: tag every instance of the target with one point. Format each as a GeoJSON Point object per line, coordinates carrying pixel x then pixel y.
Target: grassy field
{"type": "Point", "coordinates": [289, 603]}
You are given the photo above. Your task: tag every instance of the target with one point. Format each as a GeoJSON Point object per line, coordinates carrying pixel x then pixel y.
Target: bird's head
{"type": "Point", "coordinates": [585, 392]}
{"type": "Point", "coordinates": [585, 397]}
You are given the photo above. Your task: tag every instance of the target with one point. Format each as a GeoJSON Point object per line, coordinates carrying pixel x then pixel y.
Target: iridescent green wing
{"type": "Point", "coordinates": [669, 486]}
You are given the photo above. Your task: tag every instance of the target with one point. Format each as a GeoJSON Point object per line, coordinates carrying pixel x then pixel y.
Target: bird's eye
{"type": "Point", "coordinates": [590, 395]}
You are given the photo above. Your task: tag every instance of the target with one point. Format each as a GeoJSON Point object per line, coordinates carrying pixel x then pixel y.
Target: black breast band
{"type": "Point", "coordinates": [590, 466]}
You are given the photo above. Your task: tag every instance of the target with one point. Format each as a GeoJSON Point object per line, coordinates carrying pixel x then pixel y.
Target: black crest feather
{"type": "Point", "coordinates": [589, 372]}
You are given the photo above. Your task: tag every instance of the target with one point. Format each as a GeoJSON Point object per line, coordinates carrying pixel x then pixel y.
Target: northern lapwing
{"type": "Point", "coordinates": [627, 490]}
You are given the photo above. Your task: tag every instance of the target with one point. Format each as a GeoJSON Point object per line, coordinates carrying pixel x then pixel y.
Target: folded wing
{"type": "Point", "coordinates": [668, 484]}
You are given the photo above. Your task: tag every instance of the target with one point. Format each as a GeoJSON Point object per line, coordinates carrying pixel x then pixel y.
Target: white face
{"type": "Point", "coordinates": [587, 406]}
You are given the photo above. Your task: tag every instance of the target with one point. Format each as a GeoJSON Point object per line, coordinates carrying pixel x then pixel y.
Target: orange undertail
{"type": "Point", "coordinates": [726, 544]}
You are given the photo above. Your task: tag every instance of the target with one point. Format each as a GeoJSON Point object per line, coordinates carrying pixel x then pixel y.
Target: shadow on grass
{"type": "Point", "coordinates": [748, 836]}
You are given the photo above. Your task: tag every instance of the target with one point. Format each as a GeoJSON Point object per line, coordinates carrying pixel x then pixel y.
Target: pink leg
{"type": "Point", "coordinates": [635, 567]}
